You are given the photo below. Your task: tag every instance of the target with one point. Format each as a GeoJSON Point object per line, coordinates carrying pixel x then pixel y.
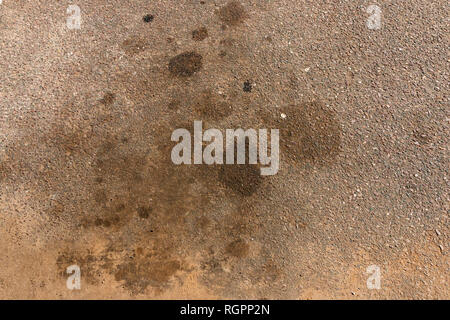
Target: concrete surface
{"type": "Point", "coordinates": [85, 171]}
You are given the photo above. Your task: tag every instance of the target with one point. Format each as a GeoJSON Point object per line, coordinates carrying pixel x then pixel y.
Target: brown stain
{"type": "Point", "coordinates": [135, 199]}
{"type": "Point", "coordinates": [232, 14]}
{"type": "Point", "coordinates": [138, 275]}
{"type": "Point", "coordinates": [144, 212]}
{"type": "Point", "coordinates": [310, 132]}
{"type": "Point", "coordinates": [108, 99]}
{"type": "Point", "coordinates": [134, 45]}
{"type": "Point", "coordinates": [243, 179]}
{"type": "Point", "coordinates": [238, 248]}
{"type": "Point", "coordinates": [200, 34]}
{"type": "Point", "coordinates": [210, 106]}
{"type": "Point", "coordinates": [5, 170]}
{"type": "Point", "coordinates": [185, 64]}
{"type": "Point", "coordinates": [89, 263]}
{"type": "Point", "coordinates": [141, 191]}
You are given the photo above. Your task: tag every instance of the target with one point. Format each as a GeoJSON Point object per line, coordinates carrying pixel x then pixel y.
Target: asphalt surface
{"type": "Point", "coordinates": [86, 178]}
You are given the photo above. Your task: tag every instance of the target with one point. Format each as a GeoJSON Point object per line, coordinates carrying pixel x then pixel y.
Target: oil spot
{"type": "Point", "coordinates": [108, 98]}
{"type": "Point", "coordinates": [211, 106]}
{"type": "Point", "coordinates": [107, 222]}
{"type": "Point", "coordinates": [244, 179]}
{"type": "Point", "coordinates": [148, 18]}
{"type": "Point", "coordinates": [247, 86]}
{"type": "Point", "coordinates": [309, 131]}
{"type": "Point", "coordinates": [185, 64]}
{"type": "Point", "coordinates": [232, 13]}
{"type": "Point", "coordinates": [238, 248]}
{"type": "Point", "coordinates": [200, 34]}
{"type": "Point", "coordinates": [144, 212]}
{"type": "Point", "coordinates": [134, 46]}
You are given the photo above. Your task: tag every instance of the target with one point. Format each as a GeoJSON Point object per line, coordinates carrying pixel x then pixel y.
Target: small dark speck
{"type": "Point", "coordinates": [148, 18]}
{"type": "Point", "coordinates": [247, 86]}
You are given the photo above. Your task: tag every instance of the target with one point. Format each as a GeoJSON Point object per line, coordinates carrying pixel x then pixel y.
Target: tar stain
{"type": "Point", "coordinates": [200, 34]}
{"type": "Point", "coordinates": [232, 13]}
{"type": "Point", "coordinates": [185, 64]}
{"type": "Point", "coordinates": [247, 86]}
{"type": "Point", "coordinates": [148, 18]}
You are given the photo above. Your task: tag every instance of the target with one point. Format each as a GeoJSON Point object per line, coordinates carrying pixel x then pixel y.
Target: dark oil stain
{"type": "Point", "coordinates": [148, 18]}
{"type": "Point", "coordinates": [247, 86]}
{"type": "Point", "coordinates": [200, 34]}
{"type": "Point", "coordinates": [185, 64]}
{"type": "Point", "coordinates": [144, 212]}
{"type": "Point", "coordinates": [232, 14]}
{"type": "Point", "coordinates": [238, 248]}
{"type": "Point", "coordinates": [108, 99]}
{"type": "Point", "coordinates": [107, 221]}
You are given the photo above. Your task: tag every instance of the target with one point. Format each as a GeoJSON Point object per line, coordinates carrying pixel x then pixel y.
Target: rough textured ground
{"type": "Point", "coordinates": [85, 171]}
